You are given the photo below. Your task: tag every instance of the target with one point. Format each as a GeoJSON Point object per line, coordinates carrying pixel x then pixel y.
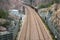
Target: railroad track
{"type": "Point", "coordinates": [34, 28]}
{"type": "Point", "coordinates": [43, 30]}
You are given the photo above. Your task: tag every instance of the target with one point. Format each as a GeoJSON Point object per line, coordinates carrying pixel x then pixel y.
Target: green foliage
{"type": "Point", "coordinates": [56, 1]}
{"type": "Point", "coordinates": [45, 5]}
{"type": "Point", "coordinates": [3, 14]}
{"type": "Point", "coordinates": [49, 4]}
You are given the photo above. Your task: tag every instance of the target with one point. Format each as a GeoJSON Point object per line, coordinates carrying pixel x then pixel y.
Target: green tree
{"type": "Point", "coordinates": [3, 14]}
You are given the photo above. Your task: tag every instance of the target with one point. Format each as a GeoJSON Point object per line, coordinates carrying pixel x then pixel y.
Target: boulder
{"type": "Point", "coordinates": [2, 28]}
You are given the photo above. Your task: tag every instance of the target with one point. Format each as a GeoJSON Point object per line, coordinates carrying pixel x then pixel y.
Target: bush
{"type": "Point", "coordinates": [3, 14]}
{"type": "Point", "coordinates": [45, 5]}
{"type": "Point", "coordinates": [56, 1]}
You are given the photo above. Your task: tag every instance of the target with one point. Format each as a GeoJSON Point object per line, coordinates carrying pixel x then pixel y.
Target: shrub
{"type": "Point", "coordinates": [45, 5]}
{"type": "Point", "coordinates": [3, 14]}
{"type": "Point", "coordinates": [56, 1]}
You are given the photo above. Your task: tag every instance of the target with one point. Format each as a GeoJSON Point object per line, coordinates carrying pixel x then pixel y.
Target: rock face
{"type": "Point", "coordinates": [55, 19]}
{"type": "Point", "coordinates": [4, 4]}
{"type": "Point", "coordinates": [14, 17]}
{"type": "Point", "coordinates": [2, 28]}
{"type": "Point", "coordinates": [15, 4]}
{"type": "Point", "coordinates": [55, 7]}
{"type": "Point", "coordinates": [2, 21]}
{"type": "Point", "coordinates": [10, 4]}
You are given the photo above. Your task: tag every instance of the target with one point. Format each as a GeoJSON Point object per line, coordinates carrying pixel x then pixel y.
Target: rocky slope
{"type": "Point", "coordinates": [55, 19]}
